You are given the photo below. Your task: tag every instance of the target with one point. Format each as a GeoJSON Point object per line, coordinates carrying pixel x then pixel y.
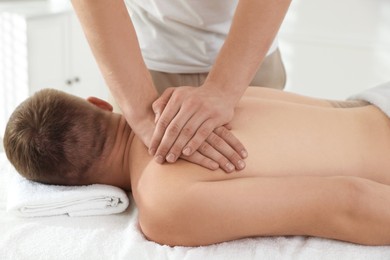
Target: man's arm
{"type": "Point", "coordinates": [184, 123]}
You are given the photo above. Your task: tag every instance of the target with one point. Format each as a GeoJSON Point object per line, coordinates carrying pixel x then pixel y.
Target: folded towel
{"type": "Point", "coordinates": [378, 96]}
{"type": "Point", "coordinates": [30, 199]}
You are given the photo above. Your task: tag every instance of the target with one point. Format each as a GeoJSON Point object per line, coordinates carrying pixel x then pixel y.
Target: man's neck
{"type": "Point", "coordinates": [118, 159]}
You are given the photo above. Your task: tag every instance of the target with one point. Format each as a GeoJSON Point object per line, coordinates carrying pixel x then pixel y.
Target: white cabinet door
{"type": "Point", "coordinates": [48, 52]}
{"type": "Point", "coordinates": [84, 72]}
{"type": "Point", "coordinates": [59, 57]}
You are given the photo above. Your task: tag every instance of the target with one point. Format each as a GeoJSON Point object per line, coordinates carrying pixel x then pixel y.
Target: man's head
{"type": "Point", "coordinates": [56, 138]}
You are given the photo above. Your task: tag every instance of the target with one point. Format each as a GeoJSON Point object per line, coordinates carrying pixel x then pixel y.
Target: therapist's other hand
{"type": "Point", "coordinates": [186, 118]}
{"type": "Point", "coordinates": [217, 152]}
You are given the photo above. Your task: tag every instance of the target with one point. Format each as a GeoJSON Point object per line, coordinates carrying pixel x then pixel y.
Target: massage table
{"type": "Point", "coordinates": [117, 236]}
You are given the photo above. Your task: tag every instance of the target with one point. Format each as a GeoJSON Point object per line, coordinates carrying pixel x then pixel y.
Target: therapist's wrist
{"type": "Point", "coordinates": [143, 127]}
{"type": "Point", "coordinates": [231, 94]}
{"type": "Point", "coordinates": [140, 118]}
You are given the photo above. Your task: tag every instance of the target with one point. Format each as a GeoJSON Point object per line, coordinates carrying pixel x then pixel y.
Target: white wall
{"type": "Point", "coordinates": [334, 48]}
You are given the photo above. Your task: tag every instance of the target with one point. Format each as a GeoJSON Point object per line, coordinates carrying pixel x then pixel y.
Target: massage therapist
{"type": "Point", "coordinates": [212, 49]}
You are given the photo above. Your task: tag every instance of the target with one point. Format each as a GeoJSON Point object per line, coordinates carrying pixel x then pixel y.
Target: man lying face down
{"type": "Point", "coordinates": [313, 168]}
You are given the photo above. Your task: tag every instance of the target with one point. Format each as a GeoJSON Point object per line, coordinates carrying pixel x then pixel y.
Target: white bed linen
{"type": "Point", "coordinates": [118, 237]}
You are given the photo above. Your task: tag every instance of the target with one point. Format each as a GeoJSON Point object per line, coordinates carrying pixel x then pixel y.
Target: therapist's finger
{"type": "Point", "coordinates": [232, 141]}
{"type": "Point", "coordinates": [201, 134]}
{"type": "Point", "coordinates": [200, 159]}
{"type": "Point", "coordinates": [160, 103]}
{"type": "Point", "coordinates": [164, 150]}
{"type": "Point", "coordinates": [234, 160]}
{"type": "Point", "coordinates": [162, 124]}
{"type": "Point", "coordinates": [210, 151]}
{"type": "Point", "coordinates": [228, 126]}
{"type": "Point", "coordinates": [186, 133]}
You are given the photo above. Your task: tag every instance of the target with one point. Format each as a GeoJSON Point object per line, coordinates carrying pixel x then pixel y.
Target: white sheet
{"type": "Point", "coordinates": [117, 237]}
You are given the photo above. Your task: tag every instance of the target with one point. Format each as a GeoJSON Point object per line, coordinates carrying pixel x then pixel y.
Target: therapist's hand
{"type": "Point", "coordinates": [189, 119]}
{"type": "Point", "coordinates": [217, 152]}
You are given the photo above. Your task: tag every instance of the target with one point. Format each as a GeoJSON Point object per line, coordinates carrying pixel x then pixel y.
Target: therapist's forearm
{"type": "Point", "coordinates": [254, 27]}
{"type": "Point", "coordinates": [114, 43]}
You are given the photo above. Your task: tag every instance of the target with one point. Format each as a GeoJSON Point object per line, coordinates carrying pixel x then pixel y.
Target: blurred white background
{"type": "Point", "coordinates": [330, 48]}
{"type": "Point", "coordinates": [333, 48]}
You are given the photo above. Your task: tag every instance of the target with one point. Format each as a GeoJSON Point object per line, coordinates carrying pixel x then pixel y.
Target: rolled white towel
{"type": "Point", "coordinates": [378, 96]}
{"type": "Point", "coordinates": [30, 199]}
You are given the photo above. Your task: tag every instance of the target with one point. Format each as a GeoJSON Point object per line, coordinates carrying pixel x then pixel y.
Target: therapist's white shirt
{"type": "Point", "coordinates": [182, 36]}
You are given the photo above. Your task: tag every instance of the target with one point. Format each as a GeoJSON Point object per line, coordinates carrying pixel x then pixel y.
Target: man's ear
{"type": "Point", "coordinates": [100, 103]}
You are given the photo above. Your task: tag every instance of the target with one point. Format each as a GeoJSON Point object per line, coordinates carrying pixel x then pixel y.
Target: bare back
{"type": "Point", "coordinates": [307, 141]}
{"type": "Point", "coordinates": [284, 138]}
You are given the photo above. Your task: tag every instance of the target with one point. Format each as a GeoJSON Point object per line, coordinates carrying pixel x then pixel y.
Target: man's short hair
{"type": "Point", "coordinates": [55, 138]}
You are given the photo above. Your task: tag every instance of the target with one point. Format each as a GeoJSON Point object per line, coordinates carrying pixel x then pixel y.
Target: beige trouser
{"type": "Point", "coordinates": [271, 74]}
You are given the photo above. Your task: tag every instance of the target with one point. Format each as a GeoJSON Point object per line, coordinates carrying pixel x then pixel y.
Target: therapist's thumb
{"type": "Point", "coordinates": [159, 105]}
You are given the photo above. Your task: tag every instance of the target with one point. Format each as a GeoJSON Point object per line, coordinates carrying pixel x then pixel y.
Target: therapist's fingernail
{"type": "Point", "coordinates": [244, 153]}
{"type": "Point", "coordinates": [171, 158]}
{"type": "Point", "coordinates": [230, 167]}
{"type": "Point", "coordinates": [241, 164]}
{"type": "Point", "coordinates": [159, 159]}
{"type": "Point", "coordinates": [187, 151]}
